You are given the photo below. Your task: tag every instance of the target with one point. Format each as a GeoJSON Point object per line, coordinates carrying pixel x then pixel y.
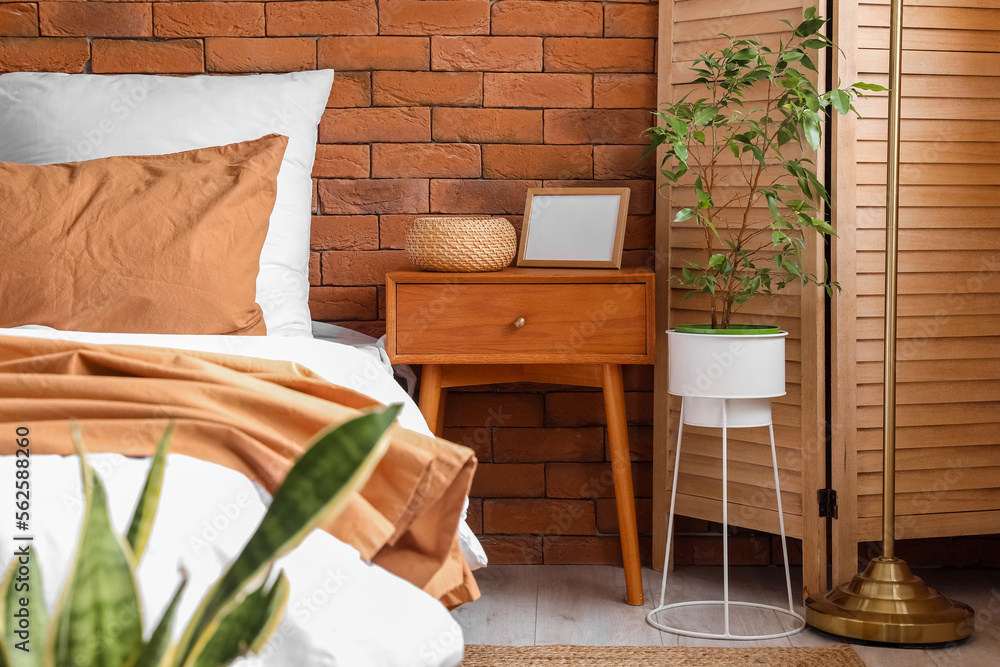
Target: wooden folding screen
{"type": "Point", "coordinates": [687, 29]}
{"type": "Point", "coordinates": [948, 388]}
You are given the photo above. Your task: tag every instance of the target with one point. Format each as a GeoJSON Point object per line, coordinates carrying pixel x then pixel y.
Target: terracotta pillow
{"type": "Point", "coordinates": [164, 244]}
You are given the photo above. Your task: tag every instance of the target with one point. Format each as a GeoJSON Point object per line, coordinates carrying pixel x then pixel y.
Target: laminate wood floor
{"type": "Point", "coordinates": [524, 605]}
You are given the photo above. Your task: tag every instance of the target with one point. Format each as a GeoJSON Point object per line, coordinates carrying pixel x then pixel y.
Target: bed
{"type": "Point", "coordinates": [343, 610]}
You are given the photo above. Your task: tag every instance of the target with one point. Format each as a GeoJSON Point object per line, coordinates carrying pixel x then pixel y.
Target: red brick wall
{"type": "Point", "coordinates": [439, 106]}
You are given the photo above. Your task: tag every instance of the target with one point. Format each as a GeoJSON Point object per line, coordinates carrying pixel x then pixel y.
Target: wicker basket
{"type": "Point", "coordinates": [461, 244]}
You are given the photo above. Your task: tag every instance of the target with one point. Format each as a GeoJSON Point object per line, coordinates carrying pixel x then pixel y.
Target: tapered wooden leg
{"type": "Point", "coordinates": [442, 405]}
{"type": "Point", "coordinates": [430, 396]}
{"type": "Point", "coordinates": [621, 465]}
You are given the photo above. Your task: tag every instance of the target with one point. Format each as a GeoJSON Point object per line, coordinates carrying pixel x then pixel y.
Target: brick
{"type": "Point", "coordinates": [351, 89]}
{"type": "Point", "coordinates": [392, 230]}
{"type": "Point", "coordinates": [375, 125]}
{"type": "Point", "coordinates": [426, 161]}
{"type": "Point", "coordinates": [492, 409]}
{"type": "Point", "coordinates": [640, 232]}
{"type": "Point", "coordinates": [508, 480]}
{"type": "Point", "coordinates": [43, 54]}
{"type": "Point", "coordinates": [487, 126]}
{"type": "Point", "coordinates": [707, 550]}
{"type": "Point", "coordinates": [434, 17]}
{"type": "Point", "coordinates": [590, 550]}
{"type": "Point", "coordinates": [532, 445]}
{"type": "Point", "coordinates": [512, 549]}
{"type": "Point", "coordinates": [625, 91]}
{"type": "Point", "coordinates": [342, 303]}
{"type": "Point", "coordinates": [525, 161]}
{"type": "Point", "coordinates": [616, 162]}
{"type": "Point", "coordinates": [631, 20]}
{"type": "Point", "coordinates": [474, 515]}
{"type": "Point", "coordinates": [360, 52]}
{"type": "Point", "coordinates": [249, 54]}
{"type": "Point", "coordinates": [581, 54]}
{"type": "Point", "coordinates": [361, 267]}
{"type": "Point", "coordinates": [20, 19]}
{"type": "Point", "coordinates": [341, 161]}
{"type": "Point", "coordinates": [640, 442]}
{"type": "Point", "coordinates": [637, 377]}
{"type": "Point", "coordinates": [344, 232]}
{"type": "Point", "coordinates": [596, 126]}
{"type": "Point", "coordinates": [315, 270]}
{"type": "Point", "coordinates": [401, 89]}
{"type": "Point", "coordinates": [368, 196]}
{"type": "Point", "coordinates": [559, 91]}
{"type": "Point", "coordinates": [468, 197]}
{"type": "Point", "coordinates": [539, 516]}
{"type": "Point", "coordinates": [318, 17]}
{"type": "Point", "coordinates": [479, 440]}
{"type": "Point", "coordinates": [179, 56]}
{"type": "Point", "coordinates": [95, 19]}
{"type": "Point", "coordinates": [607, 516]}
{"type": "Point", "coordinates": [580, 408]}
{"type": "Point", "coordinates": [208, 19]}
{"type": "Point", "coordinates": [593, 480]}
{"type": "Point", "coordinates": [492, 54]}
{"type": "Point", "coordinates": [315, 196]}
{"type": "Point", "coordinates": [547, 18]}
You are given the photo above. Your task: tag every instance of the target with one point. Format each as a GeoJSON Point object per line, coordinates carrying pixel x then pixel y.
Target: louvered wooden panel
{"type": "Point", "coordinates": [689, 28]}
{"type": "Point", "coordinates": [948, 385]}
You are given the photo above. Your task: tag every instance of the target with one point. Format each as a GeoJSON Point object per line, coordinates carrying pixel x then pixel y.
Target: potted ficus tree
{"type": "Point", "coordinates": [742, 152]}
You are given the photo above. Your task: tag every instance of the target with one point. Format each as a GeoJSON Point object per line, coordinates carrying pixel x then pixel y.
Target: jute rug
{"type": "Point", "coordinates": [657, 656]}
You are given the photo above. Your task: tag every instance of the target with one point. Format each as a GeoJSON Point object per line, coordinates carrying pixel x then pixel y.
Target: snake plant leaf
{"type": "Point", "coordinates": [154, 653]}
{"type": "Point", "coordinates": [339, 460]}
{"type": "Point", "coordinates": [23, 583]}
{"type": "Point", "coordinates": [98, 621]}
{"type": "Point", "coordinates": [149, 500]}
{"type": "Point", "coordinates": [248, 626]}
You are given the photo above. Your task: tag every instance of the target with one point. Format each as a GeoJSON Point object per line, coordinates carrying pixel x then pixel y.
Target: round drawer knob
{"type": "Point", "coordinates": [518, 323]}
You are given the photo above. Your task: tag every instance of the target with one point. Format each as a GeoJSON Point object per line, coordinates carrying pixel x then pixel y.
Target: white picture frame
{"type": "Point", "coordinates": [573, 227]}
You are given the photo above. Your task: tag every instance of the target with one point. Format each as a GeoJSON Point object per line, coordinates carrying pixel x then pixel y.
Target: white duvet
{"type": "Point", "coordinates": [342, 611]}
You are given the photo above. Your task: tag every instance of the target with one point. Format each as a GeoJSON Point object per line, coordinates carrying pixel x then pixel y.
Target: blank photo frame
{"type": "Point", "coordinates": [573, 227]}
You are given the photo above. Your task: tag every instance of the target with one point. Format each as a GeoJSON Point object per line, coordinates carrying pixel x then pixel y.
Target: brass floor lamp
{"type": "Point", "coordinates": [887, 603]}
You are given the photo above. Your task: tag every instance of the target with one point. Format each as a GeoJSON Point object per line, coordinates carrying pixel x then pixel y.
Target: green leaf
{"type": "Point", "coordinates": [683, 214]}
{"type": "Point", "coordinates": [155, 650]}
{"type": "Point", "coordinates": [861, 85]}
{"type": "Point", "coordinates": [248, 627]}
{"type": "Point", "coordinates": [809, 27]}
{"type": "Point", "coordinates": [841, 101]}
{"type": "Point", "coordinates": [772, 206]}
{"type": "Point", "coordinates": [338, 462]}
{"type": "Point", "coordinates": [99, 619]}
{"type": "Point", "coordinates": [705, 115]}
{"type": "Point", "coordinates": [812, 130]}
{"type": "Point", "coordinates": [149, 500]}
{"type": "Point", "coordinates": [681, 151]}
{"type": "Point", "coordinates": [688, 275]}
{"type": "Point", "coordinates": [23, 583]}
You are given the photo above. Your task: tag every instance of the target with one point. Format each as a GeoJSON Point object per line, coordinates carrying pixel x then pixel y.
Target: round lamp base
{"type": "Point", "coordinates": [887, 604]}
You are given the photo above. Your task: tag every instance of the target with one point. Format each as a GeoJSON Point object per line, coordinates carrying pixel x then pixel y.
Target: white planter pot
{"type": "Point", "coordinates": [716, 371]}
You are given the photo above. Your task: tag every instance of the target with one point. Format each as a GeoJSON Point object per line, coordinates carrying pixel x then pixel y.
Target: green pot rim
{"type": "Point", "coordinates": [740, 330]}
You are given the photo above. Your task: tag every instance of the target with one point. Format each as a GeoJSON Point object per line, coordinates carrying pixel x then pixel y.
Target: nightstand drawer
{"type": "Point", "coordinates": [564, 321]}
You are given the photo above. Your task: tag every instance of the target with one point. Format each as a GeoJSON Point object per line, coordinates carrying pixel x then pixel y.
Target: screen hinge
{"type": "Point", "coordinates": [827, 502]}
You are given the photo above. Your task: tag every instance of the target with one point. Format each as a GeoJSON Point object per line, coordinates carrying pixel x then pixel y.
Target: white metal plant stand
{"type": "Point", "coordinates": [699, 407]}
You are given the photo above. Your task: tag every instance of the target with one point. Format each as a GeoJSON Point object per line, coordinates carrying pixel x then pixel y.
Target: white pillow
{"type": "Point", "coordinates": [47, 118]}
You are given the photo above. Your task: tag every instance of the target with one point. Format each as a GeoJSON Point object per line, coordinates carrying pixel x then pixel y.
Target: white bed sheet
{"type": "Point", "coordinates": [342, 612]}
{"type": "Point", "coordinates": [375, 619]}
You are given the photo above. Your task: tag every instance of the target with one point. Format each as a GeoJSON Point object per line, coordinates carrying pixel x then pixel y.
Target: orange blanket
{"type": "Point", "coordinates": [253, 416]}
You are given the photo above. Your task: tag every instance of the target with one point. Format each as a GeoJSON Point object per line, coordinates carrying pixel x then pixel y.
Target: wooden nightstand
{"type": "Point", "coordinates": [560, 326]}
